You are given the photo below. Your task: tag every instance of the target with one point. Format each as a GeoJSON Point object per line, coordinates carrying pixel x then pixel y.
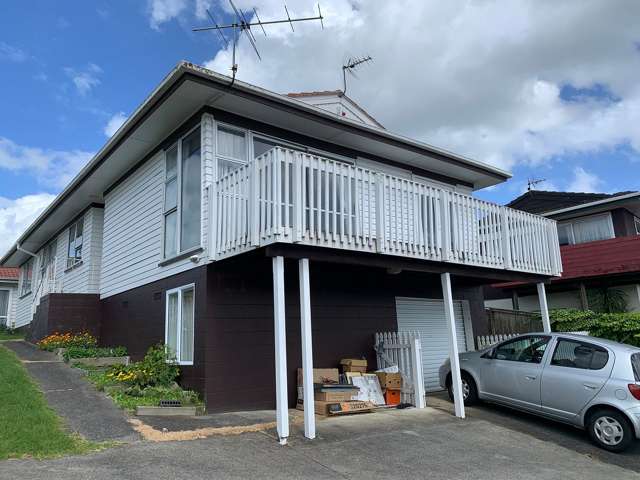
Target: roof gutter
{"type": "Point", "coordinates": [591, 204]}
{"type": "Point", "coordinates": [20, 249]}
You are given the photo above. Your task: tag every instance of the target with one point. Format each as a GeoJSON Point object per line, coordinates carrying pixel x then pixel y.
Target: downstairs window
{"type": "Point", "coordinates": [179, 326]}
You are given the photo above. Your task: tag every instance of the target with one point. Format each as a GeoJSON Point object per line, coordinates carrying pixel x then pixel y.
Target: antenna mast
{"type": "Point", "coordinates": [350, 66]}
{"type": "Point", "coordinates": [241, 25]}
{"type": "Point", "coordinates": [532, 182]}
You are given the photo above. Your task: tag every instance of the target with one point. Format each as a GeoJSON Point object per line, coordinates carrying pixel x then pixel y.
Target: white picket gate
{"type": "Point", "coordinates": [404, 350]}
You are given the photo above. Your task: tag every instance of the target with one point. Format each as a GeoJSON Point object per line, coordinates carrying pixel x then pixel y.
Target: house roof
{"type": "Point", "coordinates": [539, 201]}
{"type": "Point", "coordinates": [613, 256]}
{"type": "Point", "coordinates": [337, 93]}
{"type": "Point", "coordinates": [184, 92]}
{"type": "Point", "coordinates": [9, 273]}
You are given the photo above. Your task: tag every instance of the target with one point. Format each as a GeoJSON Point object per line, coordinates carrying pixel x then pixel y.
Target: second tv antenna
{"type": "Point", "coordinates": [243, 25]}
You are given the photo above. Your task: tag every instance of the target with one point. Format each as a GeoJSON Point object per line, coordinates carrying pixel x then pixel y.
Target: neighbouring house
{"type": "Point", "coordinates": [599, 237]}
{"type": "Point", "coordinates": [8, 296]}
{"type": "Point", "coordinates": [248, 229]}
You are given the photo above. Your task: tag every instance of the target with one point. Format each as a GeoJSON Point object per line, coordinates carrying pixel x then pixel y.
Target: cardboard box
{"type": "Point", "coordinates": [353, 365]}
{"type": "Point", "coordinates": [322, 375]}
{"type": "Point", "coordinates": [392, 396]}
{"type": "Point", "coordinates": [339, 396]}
{"type": "Point", "coordinates": [342, 408]}
{"type": "Point", "coordinates": [390, 380]}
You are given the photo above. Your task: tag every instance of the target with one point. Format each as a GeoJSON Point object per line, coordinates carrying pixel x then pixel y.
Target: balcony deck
{"type": "Point", "coordinates": [286, 196]}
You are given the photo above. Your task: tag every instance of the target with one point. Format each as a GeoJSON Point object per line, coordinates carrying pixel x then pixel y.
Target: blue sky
{"type": "Point", "coordinates": [568, 114]}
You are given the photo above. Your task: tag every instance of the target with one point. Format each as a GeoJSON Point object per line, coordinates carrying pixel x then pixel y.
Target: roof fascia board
{"type": "Point", "coordinates": [597, 203]}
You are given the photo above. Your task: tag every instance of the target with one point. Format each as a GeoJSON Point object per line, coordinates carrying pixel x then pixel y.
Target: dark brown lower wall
{"type": "Point", "coordinates": [234, 334]}
{"type": "Point", "coordinates": [136, 320]}
{"type": "Point", "coordinates": [65, 312]}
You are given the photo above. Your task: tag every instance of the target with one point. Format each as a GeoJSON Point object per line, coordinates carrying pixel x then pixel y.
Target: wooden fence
{"type": "Point", "coordinates": [502, 321]}
{"type": "Point", "coordinates": [404, 350]}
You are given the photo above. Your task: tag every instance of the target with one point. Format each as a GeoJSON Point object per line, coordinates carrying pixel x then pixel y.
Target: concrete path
{"type": "Point", "coordinates": [85, 410]}
{"type": "Point", "coordinates": [392, 444]}
{"type": "Point", "coordinates": [543, 429]}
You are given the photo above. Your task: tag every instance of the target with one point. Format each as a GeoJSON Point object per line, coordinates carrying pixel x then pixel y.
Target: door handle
{"type": "Point", "coordinates": [590, 387]}
{"type": "Point", "coordinates": [530, 377]}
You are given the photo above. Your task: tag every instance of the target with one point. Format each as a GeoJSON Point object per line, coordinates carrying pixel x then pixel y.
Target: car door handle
{"type": "Point", "coordinates": [530, 377]}
{"type": "Point", "coordinates": [590, 387]}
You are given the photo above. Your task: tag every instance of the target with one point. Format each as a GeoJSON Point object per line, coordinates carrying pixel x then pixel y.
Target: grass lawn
{"type": "Point", "coordinates": [29, 427]}
{"type": "Point", "coordinates": [5, 335]}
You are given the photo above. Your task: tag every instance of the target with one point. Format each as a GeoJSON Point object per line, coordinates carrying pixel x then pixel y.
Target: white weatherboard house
{"type": "Point", "coordinates": [256, 233]}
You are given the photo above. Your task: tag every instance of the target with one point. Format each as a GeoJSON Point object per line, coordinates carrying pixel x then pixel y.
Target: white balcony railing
{"type": "Point", "coordinates": [294, 197]}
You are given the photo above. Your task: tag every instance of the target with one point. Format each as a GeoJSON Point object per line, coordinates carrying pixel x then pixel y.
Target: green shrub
{"type": "Point", "coordinates": [156, 369]}
{"type": "Point", "coordinates": [619, 327]}
{"type": "Point", "coordinates": [93, 352]}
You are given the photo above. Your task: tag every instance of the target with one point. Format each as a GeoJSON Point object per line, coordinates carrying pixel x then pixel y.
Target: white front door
{"type": "Point", "coordinates": [426, 316]}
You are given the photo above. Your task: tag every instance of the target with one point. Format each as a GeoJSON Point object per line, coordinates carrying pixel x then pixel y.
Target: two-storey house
{"type": "Point", "coordinates": [255, 233]}
{"type": "Point", "coordinates": [599, 236]}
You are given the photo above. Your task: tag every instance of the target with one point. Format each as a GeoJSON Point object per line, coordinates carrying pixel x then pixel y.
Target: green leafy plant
{"type": "Point", "coordinates": [619, 327]}
{"type": "Point", "coordinates": [156, 369]}
{"type": "Point", "coordinates": [93, 352]}
{"type": "Point", "coordinates": [607, 300]}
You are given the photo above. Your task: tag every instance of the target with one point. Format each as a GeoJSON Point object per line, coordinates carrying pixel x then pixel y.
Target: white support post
{"type": "Point", "coordinates": [282, 403]}
{"type": "Point", "coordinates": [418, 376]}
{"type": "Point", "coordinates": [456, 377]}
{"type": "Point", "coordinates": [544, 309]}
{"type": "Point", "coordinates": [307, 350]}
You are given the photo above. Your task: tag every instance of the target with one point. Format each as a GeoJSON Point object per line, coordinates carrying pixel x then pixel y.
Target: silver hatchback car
{"type": "Point", "coordinates": [587, 382]}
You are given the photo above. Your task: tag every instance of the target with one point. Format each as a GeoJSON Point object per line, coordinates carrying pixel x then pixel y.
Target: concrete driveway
{"type": "Point", "coordinates": [547, 430]}
{"type": "Point", "coordinates": [397, 444]}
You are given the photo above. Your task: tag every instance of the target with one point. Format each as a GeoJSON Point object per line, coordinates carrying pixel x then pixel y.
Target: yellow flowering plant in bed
{"type": "Point", "coordinates": [66, 340]}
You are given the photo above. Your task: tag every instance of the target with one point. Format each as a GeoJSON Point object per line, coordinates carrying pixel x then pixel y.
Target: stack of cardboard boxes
{"type": "Point", "coordinates": [391, 384]}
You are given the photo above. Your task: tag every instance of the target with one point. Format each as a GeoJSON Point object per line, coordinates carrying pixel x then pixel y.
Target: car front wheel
{"type": "Point", "coordinates": [469, 390]}
{"type": "Point", "coordinates": [610, 430]}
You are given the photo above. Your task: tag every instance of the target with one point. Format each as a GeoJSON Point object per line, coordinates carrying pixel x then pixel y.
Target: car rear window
{"type": "Point", "coordinates": [635, 362]}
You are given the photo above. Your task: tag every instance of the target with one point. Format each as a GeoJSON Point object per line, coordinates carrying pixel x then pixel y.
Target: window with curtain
{"type": "Point", "coordinates": [182, 195]}
{"type": "Point", "coordinates": [47, 260]}
{"type": "Point", "coordinates": [4, 307]}
{"type": "Point", "coordinates": [231, 151]}
{"type": "Point", "coordinates": [179, 327]}
{"type": "Point", "coordinates": [586, 229]}
{"type": "Point", "coordinates": [74, 255]}
{"type": "Point", "coordinates": [26, 273]}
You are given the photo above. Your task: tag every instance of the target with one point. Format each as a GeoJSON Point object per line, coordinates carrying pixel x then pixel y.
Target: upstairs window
{"type": "Point", "coordinates": [586, 229]}
{"type": "Point", "coordinates": [231, 151]}
{"type": "Point", "coordinates": [74, 255]}
{"type": "Point", "coordinates": [182, 195]}
{"type": "Point", "coordinates": [26, 274]}
{"type": "Point", "coordinates": [179, 326]}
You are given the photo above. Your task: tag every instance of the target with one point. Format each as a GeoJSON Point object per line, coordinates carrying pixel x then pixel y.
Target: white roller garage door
{"type": "Point", "coordinates": [427, 317]}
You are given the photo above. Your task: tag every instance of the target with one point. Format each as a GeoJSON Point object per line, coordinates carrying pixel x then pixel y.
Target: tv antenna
{"type": "Point", "coordinates": [242, 25]}
{"type": "Point", "coordinates": [532, 182]}
{"type": "Point", "coordinates": [350, 67]}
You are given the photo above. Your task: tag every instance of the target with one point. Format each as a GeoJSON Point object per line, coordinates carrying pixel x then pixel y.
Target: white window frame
{"type": "Point", "coordinates": [248, 146]}
{"type": "Point", "coordinates": [9, 300]}
{"type": "Point", "coordinates": [574, 221]}
{"type": "Point", "coordinates": [636, 222]}
{"type": "Point", "coordinates": [73, 261]}
{"type": "Point", "coordinates": [179, 291]}
{"type": "Point", "coordinates": [23, 276]}
{"type": "Point", "coordinates": [178, 145]}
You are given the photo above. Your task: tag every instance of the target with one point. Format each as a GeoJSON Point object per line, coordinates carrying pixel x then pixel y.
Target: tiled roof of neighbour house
{"type": "Point", "coordinates": [539, 201]}
{"type": "Point", "coordinates": [7, 273]}
{"type": "Point", "coordinates": [595, 259]}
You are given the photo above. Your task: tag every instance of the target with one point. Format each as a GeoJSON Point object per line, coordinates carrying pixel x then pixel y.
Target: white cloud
{"type": "Point", "coordinates": [11, 53]}
{"type": "Point", "coordinates": [53, 168]}
{"type": "Point", "coordinates": [85, 79]}
{"type": "Point", "coordinates": [16, 215]}
{"type": "Point", "coordinates": [584, 181]}
{"type": "Point", "coordinates": [161, 11]}
{"type": "Point", "coordinates": [114, 123]}
{"type": "Point", "coordinates": [480, 78]}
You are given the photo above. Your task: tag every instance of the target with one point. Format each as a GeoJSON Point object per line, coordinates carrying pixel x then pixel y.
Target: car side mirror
{"type": "Point", "coordinates": [489, 355]}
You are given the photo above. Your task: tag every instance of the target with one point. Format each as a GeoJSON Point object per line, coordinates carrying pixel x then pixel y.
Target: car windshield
{"type": "Point", "coordinates": [635, 362]}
